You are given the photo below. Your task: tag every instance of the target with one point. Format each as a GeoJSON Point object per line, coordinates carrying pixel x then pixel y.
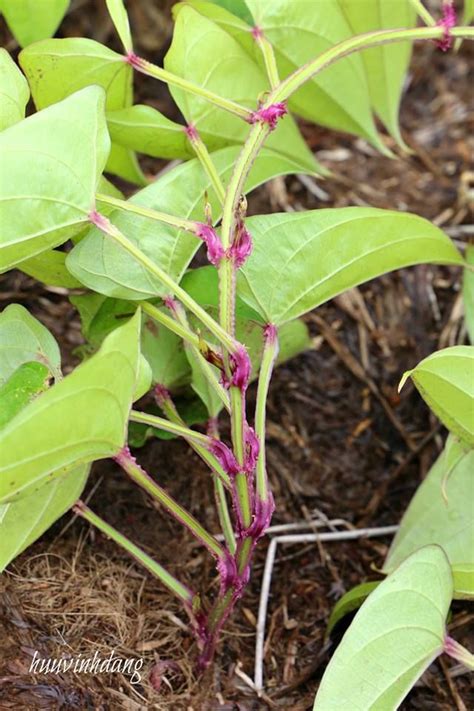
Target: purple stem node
{"type": "Point", "coordinates": [448, 21]}
{"type": "Point", "coordinates": [215, 250]}
{"type": "Point", "coordinates": [270, 115]}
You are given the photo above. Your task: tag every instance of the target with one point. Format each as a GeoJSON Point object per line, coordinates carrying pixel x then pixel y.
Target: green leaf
{"type": "Point", "coordinates": [50, 268]}
{"type": "Point", "coordinates": [58, 67]}
{"type": "Point", "coordinates": [237, 7]}
{"type": "Point", "coordinates": [14, 91]}
{"type": "Point", "coordinates": [103, 266]}
{"type": "Point", "coordinates": [397, 633]}
{"type": "Point", "coordinates": [339, 96]}
{"type": "Point", "coordinates": [445, 380]}
{"type": "Point", "coordinates": [162, 349]}
{"type": "Point", "coordinates": [142, 128]}
{"type": "Point", "coordinates": [28, 381]}
{"type": "Point", "coordinates": [48, 181]}
{"type": "Point", "coordinates": [79, 420]}
{"type": "Point", "coordinates": [349, 602]}
{"type": "Point", "coordinates": [468, 293]}
{"type": "Point", "coordinates": [33, 20]}
{"type": "Point", "coordinates": [318, 254]}
{"type": "Point", "coordinates": [24, 339]}
{"type": "Point", "coordinates": [442, 519]}
{"type": "Point", "coordinates": [215, 61]}
{"type": "Point", "coordinates": [385, 66]}
{"type": "Point", "coordinates": [119, 17]}
{"type": "Point", "coordinates": [24, 521]}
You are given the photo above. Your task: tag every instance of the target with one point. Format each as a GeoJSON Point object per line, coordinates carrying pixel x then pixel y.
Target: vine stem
{"type": "Point", "coordinates": [144, 480]}
{"type": "Point", "coordinates": [423, 13]}
{"type": "Point", "coordinates": [200, 149]}
{"type": "Point", "coordinates": [187, 596]}
{"type": "Point", "coordinates": [127, 206]}
{"type": "Point", "coordinates": [270, 352]}
{"type": "Point", "coordinates": [152, 70]}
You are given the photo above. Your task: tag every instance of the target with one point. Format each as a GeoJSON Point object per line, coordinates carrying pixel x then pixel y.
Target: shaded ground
{"type": "Point", "coordinates": [339, 447]}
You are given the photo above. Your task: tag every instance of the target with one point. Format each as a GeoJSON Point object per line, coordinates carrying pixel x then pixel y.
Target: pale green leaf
{"type": "Point", "coordinates": [33, 20]}
{"type": "Point", "coordinates": [80, 419]}
{"type": "Point", "coordinates": [105, 267]}
{"type": "Point", "coordinates": [445, 380]}
{"type": "Point", "coordinates": [23, 522]}
{"type": "Point", "coordinates": [14, 91]}
{"type": "Point", "coordinates": [318, 254]}
{"type": "Point", "coordinates": [119, 17]}
{"type": "Point", "coordinates": [339, 96]}
{"type": "Point", "coordinates": [58, 67]}
{"type": "Point", "coordinates": [162, 349]}
{"type": "Point", "coordinates": [349, 602]}
{"type": "Point", "coordinates": [27, 382]}
{"type": "Point", "coordinates": [215, 61]}
{"type": "Point", "coordinates": [468, 293]}
{"type": "Point", "coordinates": [397, 633]}
{"type": "Point", "coordinates": [50, 268]}
{"type": "Point", "coordinates": [142, 128]}
{"type": "Point", "coordinates": [48, 181]}
{"type": "Point", "coordinates": [237, 7]}
{"type": "Point", "coordinates": [386, 66]}
{"type": "Point", "coordinates": [24, 339]}
{"type": "Point", "coordinates": [441, 512]}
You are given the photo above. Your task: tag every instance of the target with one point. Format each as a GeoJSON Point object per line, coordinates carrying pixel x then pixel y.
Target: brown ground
{"type": "Point", "coordinates": [339, 439]}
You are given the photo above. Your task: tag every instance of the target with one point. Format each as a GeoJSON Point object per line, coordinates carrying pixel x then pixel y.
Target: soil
{"type": "Point", "coordinates": [342, 444]}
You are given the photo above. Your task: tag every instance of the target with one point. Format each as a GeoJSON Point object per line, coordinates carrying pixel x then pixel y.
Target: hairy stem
{"type": "Point", "coordinates": [190, 598]}
{"type": "Point", "coordinates": [128, 206]}
{"type": "Point", "coordinates": [206, 161]}
{"type": "Point", "coordinates": [172, 414]}
{"type": "Point", "coordinates": [151, 70]}
{"type": "Point", "coordinates": [268, 55]}
{"type": "Point", "coordinates": [270, 352]}
{"type": "Point", "coordinates": [372, 39]}
{"type": "Point", "coordinates": [173, 428]}
{"type": "Point", "coordinates": [423, 13]}
{"type": "Point", "coordinates": [143, 479]}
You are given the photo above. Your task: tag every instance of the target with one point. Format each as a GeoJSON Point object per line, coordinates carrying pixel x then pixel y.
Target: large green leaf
{"type": "Point", "coordinates": [302, 259]}
{"type": "Point", "coordinates": [103, 266]}
{"type": "Point", "coordinates": [14, 91]}
{"type": "Point", "coordinates": [58, 67]}
{"type": "Point", "coordinates": [80, 419]}
{"type": "Point", "coordinates": [142, 128]}
{"type": "Point", "coordinates": [339, 96]}
{"type": "Point", "coordinates": [50, 268]}
{"type": "Point", "coordinates": [445, 380]}
{"type": "Point", "coordinates": [386, 65]}
{"type": "Point", "coordinates": [33, 20]}
{"type": "Point", "coordinates": [48, 180]}
{"type": "Point", "coordinates": [24, 339]}
{"type": "Point", "coordinates": [397, 633]}
{"type": "Point", "coordinates": [349, 602]}
{"type": "Point", "coordinates": [215, 61]}
{"type": "Point", "coordinates": [445, 519]}
{"type": "Point", "coordinates": [23, 522]}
